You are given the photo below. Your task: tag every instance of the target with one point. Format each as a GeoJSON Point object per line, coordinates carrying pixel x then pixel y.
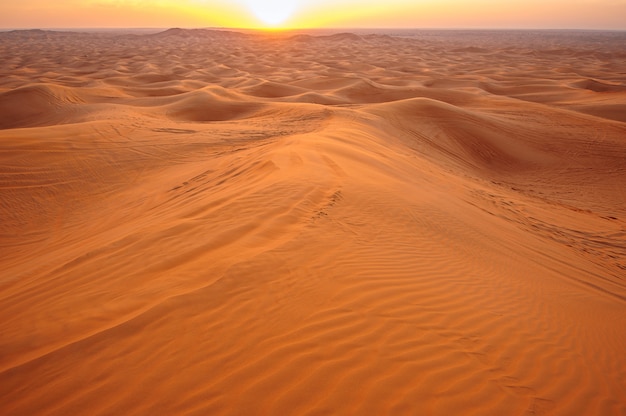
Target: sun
{"type": "Point", "coordinates": [272, 13]}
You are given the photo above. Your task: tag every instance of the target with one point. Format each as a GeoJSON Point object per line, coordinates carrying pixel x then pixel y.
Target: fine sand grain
{"type": "Point", "coordinates": [218, 223]}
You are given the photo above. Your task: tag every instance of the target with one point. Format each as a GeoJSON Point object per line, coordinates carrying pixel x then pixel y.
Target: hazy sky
{"type": "Point", "coordinates": [577, 14]}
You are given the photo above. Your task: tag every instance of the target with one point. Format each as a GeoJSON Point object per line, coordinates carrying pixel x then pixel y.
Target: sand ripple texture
{"type": "Point", "coordinates": [201, 222]}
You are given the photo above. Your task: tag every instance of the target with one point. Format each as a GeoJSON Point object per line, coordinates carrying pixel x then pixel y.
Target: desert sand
{"type": "Point", "coordinates": [204, 222]}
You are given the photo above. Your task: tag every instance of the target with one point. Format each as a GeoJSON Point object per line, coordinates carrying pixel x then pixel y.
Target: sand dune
{"type": "Point", "coordinates": [206, 222]}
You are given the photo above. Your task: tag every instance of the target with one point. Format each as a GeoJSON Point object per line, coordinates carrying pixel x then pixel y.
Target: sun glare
{"type": "Point", "coordinates": [272, 13]}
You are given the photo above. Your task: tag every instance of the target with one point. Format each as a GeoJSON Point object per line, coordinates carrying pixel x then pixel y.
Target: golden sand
{"type": "Point", "coordinates": [208, 223]}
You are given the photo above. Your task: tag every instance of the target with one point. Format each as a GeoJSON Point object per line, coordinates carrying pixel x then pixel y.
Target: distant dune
{"type": "Point", "coordinates": [209, 222]}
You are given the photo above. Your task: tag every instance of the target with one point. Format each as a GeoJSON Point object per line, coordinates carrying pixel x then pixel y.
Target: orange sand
{"type": "Point", "coordinates": [210, 223]}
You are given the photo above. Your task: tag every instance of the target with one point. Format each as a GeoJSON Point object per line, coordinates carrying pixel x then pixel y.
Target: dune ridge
{"type": "Point", "coordinates": [212, 222]}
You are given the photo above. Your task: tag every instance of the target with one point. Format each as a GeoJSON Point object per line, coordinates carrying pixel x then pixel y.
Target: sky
{"type": "Point", "coordinates": [301, 14]}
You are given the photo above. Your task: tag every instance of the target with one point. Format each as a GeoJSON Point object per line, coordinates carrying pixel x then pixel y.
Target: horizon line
{"type": "Point", "coordinates": [287, 29]}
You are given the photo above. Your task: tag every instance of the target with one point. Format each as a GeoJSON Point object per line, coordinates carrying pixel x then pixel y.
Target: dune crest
{"type": "Point", "coordinates": [212, 222]}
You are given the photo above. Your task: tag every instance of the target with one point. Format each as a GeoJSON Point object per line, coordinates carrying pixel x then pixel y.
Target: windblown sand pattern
{"type": "Point", "coordinates": [205, 223]}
